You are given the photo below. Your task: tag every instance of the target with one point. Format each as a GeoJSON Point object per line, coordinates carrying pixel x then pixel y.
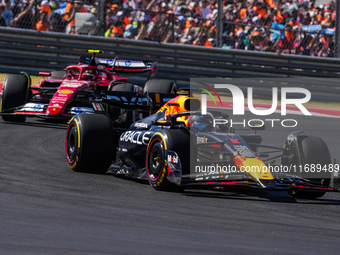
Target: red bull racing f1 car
{"type": "Point", "coordinates": [179, 148]}
{"type": "Point", "coordinates": [68, 92]}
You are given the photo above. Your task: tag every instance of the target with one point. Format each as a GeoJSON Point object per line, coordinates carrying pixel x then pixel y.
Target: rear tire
{"type": "Point", "coordinates": [90, 144]}
{"type": "Point", "coordinates": [128, 87]}
{"type": "Point", "coordinates": [14, 93]}
{"type": "Point", "coordinates": [313, 151]}
{"type": "Point", "coordinates": [156, 161]}
{"type": "Point", "coordinates": [160, 86]}
{"type": "Point", "coordinates": [115, 113]}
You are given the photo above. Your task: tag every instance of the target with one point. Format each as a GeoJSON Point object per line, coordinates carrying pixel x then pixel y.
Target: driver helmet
{"type": "Point", "coordinates": [88, 75]}
{"type": "Point", "coordinates": [201, 123]}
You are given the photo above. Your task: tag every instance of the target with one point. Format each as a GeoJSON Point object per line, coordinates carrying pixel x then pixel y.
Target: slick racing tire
{"type": "Point", "coordinates": [156, 157]}
{"type": "Point", "coordinates": [115, 113]}
{"type": "Point", "coordinates": [160, 86]}
{"type": "Point", "coordinates": [128, 87]}
{"type": "Point", "coordinates": [14, 93]}
{"type": "Point", "coordinates": [313, 151]}
{"type": "Point", "coordinates": [90, 143]}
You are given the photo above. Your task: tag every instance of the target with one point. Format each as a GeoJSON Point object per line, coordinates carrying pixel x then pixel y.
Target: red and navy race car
{"type": "Point", "coordinates": [179, 147]}
{"type": "Point", "coordinates": [65, 93]}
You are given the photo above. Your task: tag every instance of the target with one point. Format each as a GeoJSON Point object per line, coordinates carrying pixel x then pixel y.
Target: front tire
{"type": "Point", "coordinates": [90, 143]}
{"type": "Point", "coordinates": [156, 157]}
{"type": "Point", "coordinates": [14, 93]}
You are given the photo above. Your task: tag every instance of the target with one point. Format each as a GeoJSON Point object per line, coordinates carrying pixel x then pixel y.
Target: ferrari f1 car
{"type": "Point", "coordinates": [179, 148]}
{"type": "Point", "coordinates": [68, 92]}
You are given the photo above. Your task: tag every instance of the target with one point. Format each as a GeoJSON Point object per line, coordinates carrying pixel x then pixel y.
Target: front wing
{"type": "Point", "coordinates": [277, 184]}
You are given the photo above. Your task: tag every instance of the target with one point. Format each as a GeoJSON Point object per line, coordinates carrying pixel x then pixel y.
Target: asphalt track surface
{"type": "Point", "coordinates": [45, 208]}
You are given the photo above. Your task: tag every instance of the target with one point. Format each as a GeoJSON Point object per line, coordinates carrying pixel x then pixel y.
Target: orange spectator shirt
{"type": "Point", "coordinates": [127, 21]}
{"type": "Point", "coordinates": [67, 9]}
{"type": "Point", "coordinates": [243, 13]}
{"type": "Point", "coordinates": [117, 30]}
{"type": "Point", "coordinates": [279, 16]}
{"type": "Point", "coordinates": [271, 3]}
{"type": "Point", "coordinates": [262, 13]}
{"type": "Point", "coordinates": [41, 27]}
{"type": "Point", "coordinates": [207, 44]}
{"type": "Point", "coordinates": [289, 35]}
{"type": "Point", "coordinates": [318, 17]}
{"type": "Point", "coordinates": [45, 9]}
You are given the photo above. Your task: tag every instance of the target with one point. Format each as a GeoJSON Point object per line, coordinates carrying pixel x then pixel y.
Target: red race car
{"type": "Point", "coordinates": [71, 91]}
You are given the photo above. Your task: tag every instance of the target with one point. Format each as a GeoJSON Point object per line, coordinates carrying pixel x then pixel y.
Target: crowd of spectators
{"type": "Point", "coordinates": [282, 26]}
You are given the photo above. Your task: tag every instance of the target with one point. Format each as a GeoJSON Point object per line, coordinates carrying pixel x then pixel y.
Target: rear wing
{"type": "Point", "coordinates": [122, 65]}
{"type": "Point", "coordinates": [125, 65]}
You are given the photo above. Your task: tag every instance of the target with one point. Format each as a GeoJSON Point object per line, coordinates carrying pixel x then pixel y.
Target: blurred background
{"type": "Point", "coordinates": [283, 26]}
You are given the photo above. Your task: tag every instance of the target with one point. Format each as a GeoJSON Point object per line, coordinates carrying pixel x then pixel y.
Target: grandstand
{"type": "Point", "coordinates": [282, 26]}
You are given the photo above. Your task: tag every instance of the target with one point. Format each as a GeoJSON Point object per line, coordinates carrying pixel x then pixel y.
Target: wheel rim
{"type": "Point", "coordinates": [71, 143]}
{"type": "Point", "coordinates": [155, 160]}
